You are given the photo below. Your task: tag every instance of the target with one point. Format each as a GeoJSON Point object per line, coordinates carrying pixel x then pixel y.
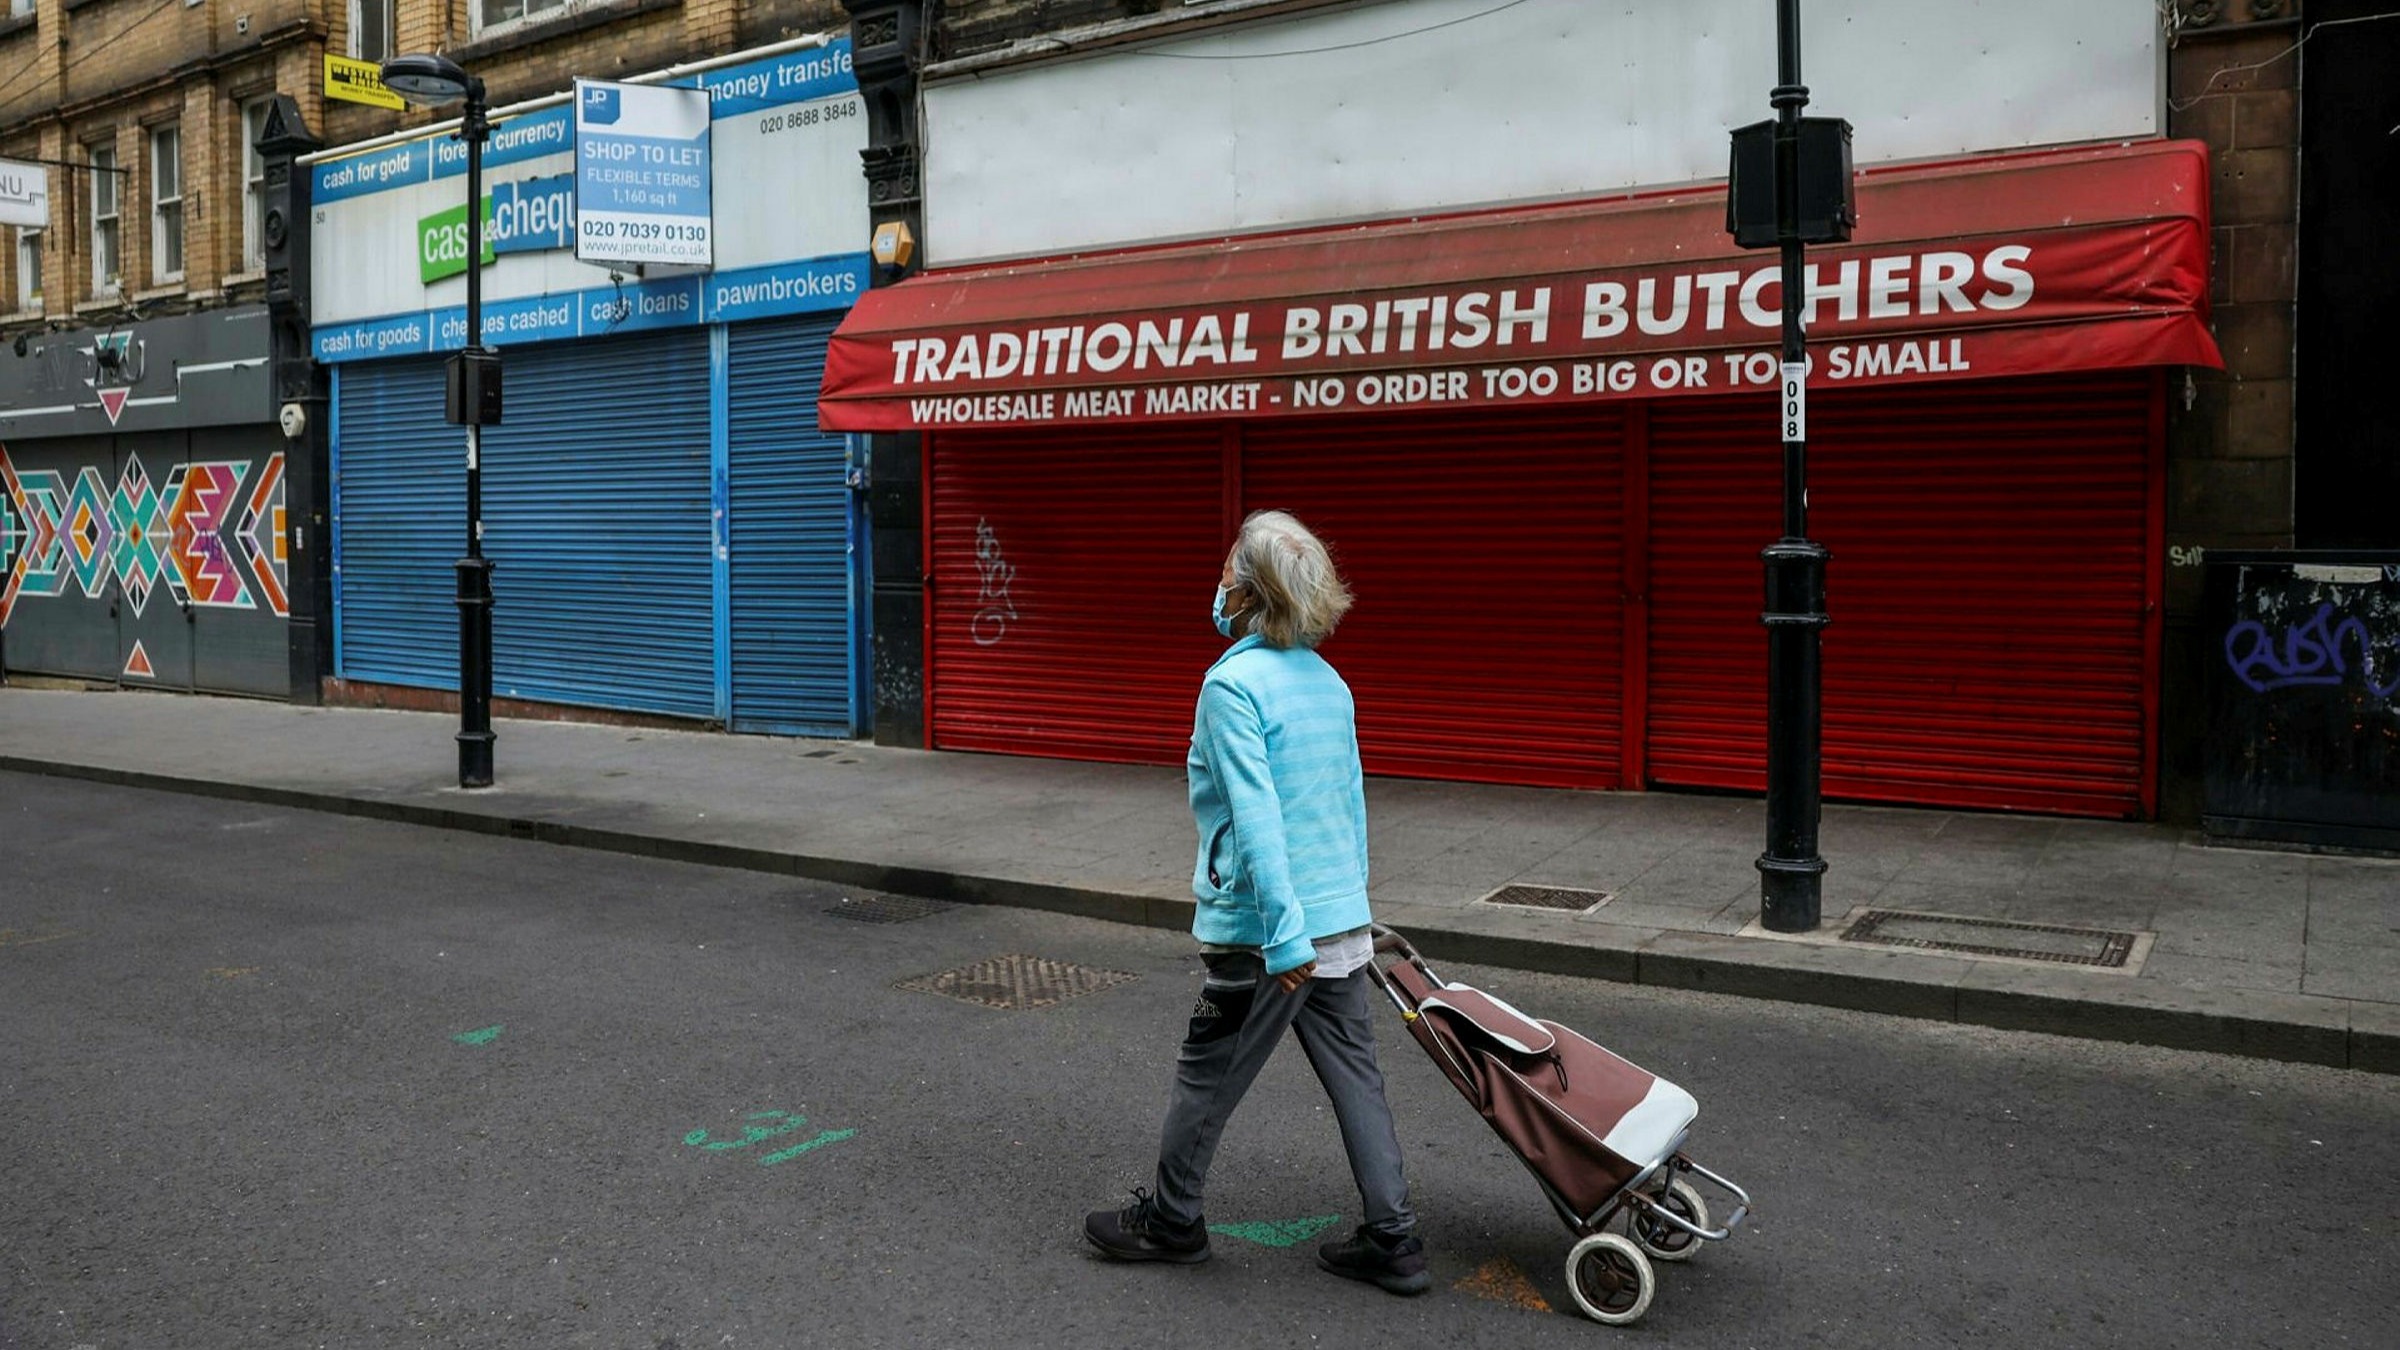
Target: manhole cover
{"type": "Point", "coordinates": [1992, 937]}
{"type": "Point", "coordinates": [1564, 898]}
{"type": "Point", "coordinates": [887, 908]}
{"type": "Point", "coordinates": [1017, 982]}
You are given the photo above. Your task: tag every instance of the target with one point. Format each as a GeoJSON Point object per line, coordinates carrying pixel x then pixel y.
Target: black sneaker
{"type": "Point", "coordinates": [1396, 1264]}
{"type": "Point", "coordinates": [1139, 1232]}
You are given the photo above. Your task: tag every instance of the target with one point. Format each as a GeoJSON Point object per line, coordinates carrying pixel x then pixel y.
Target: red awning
{"type": "Point", "coordinates": [2045, 262]}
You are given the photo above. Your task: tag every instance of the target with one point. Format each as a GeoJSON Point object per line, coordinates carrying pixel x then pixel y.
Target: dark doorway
{"type": "Point", "coordinates": [2347, 464]}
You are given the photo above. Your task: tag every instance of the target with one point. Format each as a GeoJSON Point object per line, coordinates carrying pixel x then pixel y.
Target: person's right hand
{"type": "Point", "coordinates": [1292, 980]}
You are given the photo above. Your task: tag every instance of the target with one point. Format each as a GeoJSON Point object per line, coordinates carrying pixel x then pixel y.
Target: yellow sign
{"type": "Point", "coordinates": [358, 82]}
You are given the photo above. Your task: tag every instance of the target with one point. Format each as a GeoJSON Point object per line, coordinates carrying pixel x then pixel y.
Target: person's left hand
{"type": "Point", "coordinates": [1292, 980]}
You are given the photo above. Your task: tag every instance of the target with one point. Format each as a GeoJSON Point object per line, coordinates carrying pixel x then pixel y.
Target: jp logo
{"type": "Point", "coordinates": [766, 1125]}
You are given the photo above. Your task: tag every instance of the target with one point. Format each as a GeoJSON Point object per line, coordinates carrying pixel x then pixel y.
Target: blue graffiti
{"type": "Point", "coordinates": [2314, 652]}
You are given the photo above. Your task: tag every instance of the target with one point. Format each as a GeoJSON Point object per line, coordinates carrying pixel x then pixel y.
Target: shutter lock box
{"type": "Point", "coordinates": [1828, 207]}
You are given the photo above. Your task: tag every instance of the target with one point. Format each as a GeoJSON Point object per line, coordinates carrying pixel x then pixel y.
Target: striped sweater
{"type": "Point", "coordinates": [1281, 804]}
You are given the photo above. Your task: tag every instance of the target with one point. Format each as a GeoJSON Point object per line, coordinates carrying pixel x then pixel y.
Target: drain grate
{"type": "Point", "coordinates": [1017, 982]}
{"type": "Point", "coordinates": [887, 908]}
{"type": "Point", "coordinates": [1564, 899]}
{"type": "Point", "coordinates": [1992, 937]}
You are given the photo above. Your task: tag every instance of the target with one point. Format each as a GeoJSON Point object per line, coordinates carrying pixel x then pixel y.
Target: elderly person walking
{"type": "Point", "coordinates": [1282, 916]}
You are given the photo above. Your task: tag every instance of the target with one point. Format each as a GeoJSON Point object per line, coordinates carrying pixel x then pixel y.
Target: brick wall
{"type": "Point", "coordinates": [598, 39]}
{"type": "Point", "coordinates": [966, 27]}
{"type": "Point", "coordinates": [2231, 464]}
{"type": "Point", "coordinates": [2233, 85]}
{"type": "Point", "coordinates": [116, 73]}
{"type": "Point", "coordinates": [112, 71]}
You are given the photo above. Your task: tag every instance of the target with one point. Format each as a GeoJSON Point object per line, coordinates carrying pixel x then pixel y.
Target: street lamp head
{"type": "Point", "coordinates": [429, 80]}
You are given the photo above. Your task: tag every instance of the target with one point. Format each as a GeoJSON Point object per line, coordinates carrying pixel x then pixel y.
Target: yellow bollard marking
{"type": "Point", "coordinates": [10, 937]}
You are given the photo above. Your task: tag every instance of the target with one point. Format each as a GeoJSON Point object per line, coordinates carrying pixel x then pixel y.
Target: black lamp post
{"type": "Point", "coordinates": [1791, 187]}
{"type": "Point", "coordinates": [473, 401]}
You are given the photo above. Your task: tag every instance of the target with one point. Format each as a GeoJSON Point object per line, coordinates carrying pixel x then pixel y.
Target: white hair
{"type": "Point", "coordinates": [1298, 593]}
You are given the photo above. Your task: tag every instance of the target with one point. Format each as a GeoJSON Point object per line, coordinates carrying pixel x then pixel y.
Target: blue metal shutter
{"type": "Point", "coordinates": [791, 526]}
{"type": "Point", "coordinates": [596, 515]}
{"type": "Point", "coordinates": [400, 524]}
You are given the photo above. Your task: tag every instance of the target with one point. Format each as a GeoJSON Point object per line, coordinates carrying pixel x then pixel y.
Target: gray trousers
{"type": "Point", "coordinates": [1236, 1025]}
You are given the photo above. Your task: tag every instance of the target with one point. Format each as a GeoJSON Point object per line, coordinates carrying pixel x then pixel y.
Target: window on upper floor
{"type": "Point", "coordinates": [107, 194]}
{"type": "Point", "coordinates": [491, 14]}
{"type": "Point", "coordinates": [254, 185]}
{"type": "Point", "coordinates": [29, 270]}
{"type": "Point", "coordinates": [371, 29]}
{"type": "Point", "coordinates": [19, 8]}
{"type": "Point", "coordinates": [166, 205]}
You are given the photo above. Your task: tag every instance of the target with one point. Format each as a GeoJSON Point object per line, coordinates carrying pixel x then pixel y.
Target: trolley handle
{"type": "Point", "coordinates": [1741, 1207]}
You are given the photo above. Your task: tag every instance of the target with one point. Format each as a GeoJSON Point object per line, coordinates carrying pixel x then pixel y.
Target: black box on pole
{"type": "Point", "coordinates": [1828, 203]}
{"type": "Point", "coordinates": [471, 393]}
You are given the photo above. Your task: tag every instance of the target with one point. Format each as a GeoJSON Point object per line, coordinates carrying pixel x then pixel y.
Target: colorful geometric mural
{"type": "Point", "coordinates": [143, 535]}
{"type": "Point", "coordinates": [262, 538]}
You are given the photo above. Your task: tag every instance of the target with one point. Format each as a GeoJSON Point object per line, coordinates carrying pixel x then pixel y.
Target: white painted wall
{"type": "Point", "coordinates": [1549, 99]}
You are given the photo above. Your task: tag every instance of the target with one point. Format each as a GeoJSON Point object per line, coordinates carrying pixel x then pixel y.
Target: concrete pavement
{"type": "Point", "coordinates": [2277, 955]}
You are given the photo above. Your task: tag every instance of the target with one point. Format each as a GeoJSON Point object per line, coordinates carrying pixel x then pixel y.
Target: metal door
{"type": "Point", "coordinates": [154, 608]}
{"type": "Point", "coordinates": [1071, 577]}
{"type": "Point", "coordinates": [793, 536]}
{"type": "Point", "coordinates": [227, 525]}
{"type": "Point", "coordinates": [399, 518]}
{"type": "Point", "coordinates": [1484, 550]}
{"type": "Point", "coordinates": [596, 518]}
{"type": "Point", "coordinates": [61, 618]}
{"type": "Point", "coordinates": [1992, 587]}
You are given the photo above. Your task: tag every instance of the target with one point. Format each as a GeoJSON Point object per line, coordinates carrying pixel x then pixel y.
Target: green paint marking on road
{"type": "Point", "coordinates": [767, 1125]}
{"type": "Point", "coordinates": [1274, 1233]}
{"type": "Point", "coordinates": [828, 1137]}
{"type": "Point", "coordinates": [483, 1037]}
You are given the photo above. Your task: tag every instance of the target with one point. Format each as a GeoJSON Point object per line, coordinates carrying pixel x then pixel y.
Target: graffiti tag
{"type": "Point", "coordinates": [2313, 652]}
{"type": "Point", "coordinates": [994, 611]}
{"type": "Point", "coordinates": [768, 1125]}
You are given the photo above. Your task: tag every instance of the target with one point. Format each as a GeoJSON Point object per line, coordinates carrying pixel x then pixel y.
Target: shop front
{"type": "Point", "coordinates": [671, 532]}
{"type": "Point", "coordinates": [144, 498]}
{"type": "Point", "coordinates": [1542, 442]}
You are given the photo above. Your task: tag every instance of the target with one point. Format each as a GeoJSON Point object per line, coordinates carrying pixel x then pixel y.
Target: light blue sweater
{"type": "Point", "coordinates": [1281, 804]}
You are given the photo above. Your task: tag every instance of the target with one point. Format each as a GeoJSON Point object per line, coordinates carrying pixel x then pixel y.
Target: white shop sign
{"type": "Point", "coordinates": [789, 233]}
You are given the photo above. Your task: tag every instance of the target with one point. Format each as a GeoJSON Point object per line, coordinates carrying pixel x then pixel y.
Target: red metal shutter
{"type": "Point", "coordinates": [1988, 588]}
{"type": "Point", "coordinates": [1484, 549]}
{"type": "Point", "coordinates": [1071, 580]}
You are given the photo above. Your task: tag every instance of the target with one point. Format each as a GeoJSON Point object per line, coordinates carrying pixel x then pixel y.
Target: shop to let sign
{"type": "Point", "coordinates": [358, 82]}
{"type": "Point", "coordinates": [642, 190]}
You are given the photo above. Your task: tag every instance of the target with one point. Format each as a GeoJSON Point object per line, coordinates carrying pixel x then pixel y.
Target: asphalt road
{"type": "Point", "coordinates": [236, 1111]}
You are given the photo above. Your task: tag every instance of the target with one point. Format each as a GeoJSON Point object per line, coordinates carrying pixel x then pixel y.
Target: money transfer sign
{"type": "Point", "coordinates": [642, 174]}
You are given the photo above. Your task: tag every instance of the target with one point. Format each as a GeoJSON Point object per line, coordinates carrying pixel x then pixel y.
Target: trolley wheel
{"type": "Point", "coordinates": [1611, 1279]}
{"type": "Point", "coordinates": [1664, 1241]}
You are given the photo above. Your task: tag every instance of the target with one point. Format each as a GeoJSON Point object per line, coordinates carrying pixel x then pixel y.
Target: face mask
{"type": "Point", "coordinates": [1216, 610]}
